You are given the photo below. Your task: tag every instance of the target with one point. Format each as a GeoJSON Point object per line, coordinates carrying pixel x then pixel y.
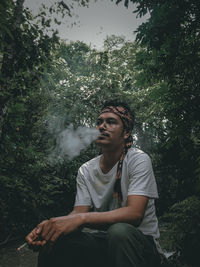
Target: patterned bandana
{"type": "Point", "coordinates": [127, 121]}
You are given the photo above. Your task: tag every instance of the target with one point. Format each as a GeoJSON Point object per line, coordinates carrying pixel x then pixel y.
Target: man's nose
{"type": "Point", "coordinates": [102, 126]}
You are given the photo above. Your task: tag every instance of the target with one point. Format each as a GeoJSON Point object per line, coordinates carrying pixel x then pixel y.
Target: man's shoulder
{"type": "Point", "coordinates": [134, 152]}
{"type": "Point", "coordinates": [90, 164]}
{"type": "Point", "coordinates": [135, 156]}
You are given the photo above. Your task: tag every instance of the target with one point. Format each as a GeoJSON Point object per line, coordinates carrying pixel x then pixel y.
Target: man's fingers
{"type": "Point", "coordinates": [49, 235]}
{"type": "Point", "coordinates": [47, 227]}
{"type": "Point", "coordinates": [40, 227]}
{"type": "Point", "coordinates": [37, 242]}
{"type": "Point", "coordinates": [55, 236]}
{"type": "Point", "coordinates": [31, 236]}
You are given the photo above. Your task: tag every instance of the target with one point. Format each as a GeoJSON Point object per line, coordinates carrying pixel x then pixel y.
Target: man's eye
{"type": "Point", "coordinates": [111, 121]}
{"type": "Point", "coordinates": [99, 122]}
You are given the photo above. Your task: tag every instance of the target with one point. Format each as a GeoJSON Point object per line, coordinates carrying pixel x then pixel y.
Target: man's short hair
{"type": "Point", "coordinates": [120, 103]}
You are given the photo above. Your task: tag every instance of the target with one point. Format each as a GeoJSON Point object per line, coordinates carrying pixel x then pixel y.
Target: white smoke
{"type": "Point", "coordinates": [70, 142]}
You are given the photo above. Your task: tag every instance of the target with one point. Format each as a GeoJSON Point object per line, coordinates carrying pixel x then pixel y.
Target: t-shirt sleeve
{"type": "Point", "coordinates": [141, 177]}
{"type": "Point", "coordinates": [82, 194]}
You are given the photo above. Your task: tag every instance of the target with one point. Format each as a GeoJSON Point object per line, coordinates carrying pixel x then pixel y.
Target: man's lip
{"type": "Point", "coordinates": [102, 135]}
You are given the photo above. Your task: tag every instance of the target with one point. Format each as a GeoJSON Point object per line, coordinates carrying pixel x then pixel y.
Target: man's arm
{"type": "Point", "coordinates": [50, 230]}
{"type": "Point", "coordinates": [45, 230]}
{"type": "Point", "coordinates": [133, 213]}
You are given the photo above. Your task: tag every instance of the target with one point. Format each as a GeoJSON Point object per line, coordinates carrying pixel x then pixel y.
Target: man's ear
{"type": "Point", "coordinates": [126, 134]}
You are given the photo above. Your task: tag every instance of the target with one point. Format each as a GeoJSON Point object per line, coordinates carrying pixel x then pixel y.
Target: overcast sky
{"type": "Point", "coordinates": [95, 22]}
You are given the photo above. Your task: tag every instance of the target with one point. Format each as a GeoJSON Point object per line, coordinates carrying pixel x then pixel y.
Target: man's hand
{"type": "Point", "coordinates": [48, 231]}
{"type": "Point", "coordinates": [58, 226]}
{"type": "Point", "coordinates": [34, 239]}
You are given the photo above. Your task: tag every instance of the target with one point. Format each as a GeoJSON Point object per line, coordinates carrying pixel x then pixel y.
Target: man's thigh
{"type": "Point", "coordinates": [128, 246]}
{"type": "Point", "coordinates": [77, 249]}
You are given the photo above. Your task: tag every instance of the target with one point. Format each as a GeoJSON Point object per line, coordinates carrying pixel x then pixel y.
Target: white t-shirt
{"type": "Point", "coordinates": [95, 189]}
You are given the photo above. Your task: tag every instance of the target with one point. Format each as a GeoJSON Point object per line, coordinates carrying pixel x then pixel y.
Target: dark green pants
{"type": "Point", "coordinates": [122, 246]}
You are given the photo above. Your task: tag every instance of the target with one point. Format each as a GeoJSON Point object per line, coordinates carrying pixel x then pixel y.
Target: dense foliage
{"type": "Point", "coordinates": [47, 84]}
{"type": "Point", "coordinates": [184, 219]}
{"type": "Point", "coordinates": [171, 58]}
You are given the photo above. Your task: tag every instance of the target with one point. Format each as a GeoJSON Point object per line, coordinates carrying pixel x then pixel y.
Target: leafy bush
{"type": "Point", "coordinates": [184, 229]}
{"type": "Point", "coordinates": [25, 202]}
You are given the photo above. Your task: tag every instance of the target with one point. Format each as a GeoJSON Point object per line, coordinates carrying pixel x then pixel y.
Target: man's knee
{"type": "Point", "coordinates": [121, 232]}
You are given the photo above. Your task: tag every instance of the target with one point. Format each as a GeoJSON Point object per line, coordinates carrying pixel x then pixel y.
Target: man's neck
{"type": "Point", "coordinates": [109, 159]}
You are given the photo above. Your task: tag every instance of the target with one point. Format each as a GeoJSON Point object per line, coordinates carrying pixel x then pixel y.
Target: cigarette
{"type": "Point", "coordinates": [22, 246]}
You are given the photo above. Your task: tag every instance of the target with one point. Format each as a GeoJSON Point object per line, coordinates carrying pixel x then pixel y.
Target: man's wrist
{"type": "Point", "coordinates": [83, 219]}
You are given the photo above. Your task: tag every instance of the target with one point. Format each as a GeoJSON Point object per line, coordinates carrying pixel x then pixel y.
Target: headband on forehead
{"type": "Point", "coordinates": [123, 113]}
{"type": "Point", "coordinates": [125, 116]}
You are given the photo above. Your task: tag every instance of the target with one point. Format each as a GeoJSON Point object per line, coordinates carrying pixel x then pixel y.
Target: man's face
{"type": "Point", "coordinates": [111, 129]}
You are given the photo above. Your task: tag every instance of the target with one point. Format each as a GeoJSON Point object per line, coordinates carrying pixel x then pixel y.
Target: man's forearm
{"type": "Point", "coordinates": [132, 213]}
{"type": "Point", "coordinates": [102, 220]}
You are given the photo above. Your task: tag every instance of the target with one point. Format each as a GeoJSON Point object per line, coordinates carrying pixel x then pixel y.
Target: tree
{"type": "Point", "coordinates": [9, 53]}
{"type": "Point", "coordinates": [171, 54]}
{"type": "Point", "coordinates": [26, 54]}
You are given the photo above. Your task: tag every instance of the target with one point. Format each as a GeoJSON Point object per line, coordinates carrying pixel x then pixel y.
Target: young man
{"type": "Point", "coordinates": [115, 196]}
